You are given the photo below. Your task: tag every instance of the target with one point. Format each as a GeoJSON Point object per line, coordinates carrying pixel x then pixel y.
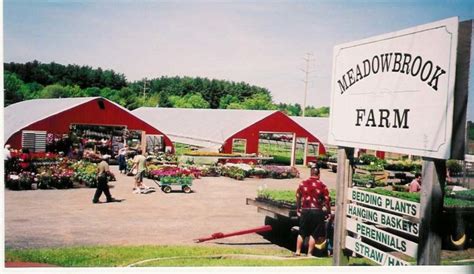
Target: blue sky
{"type": "Point", "coordinates": [259, 42]}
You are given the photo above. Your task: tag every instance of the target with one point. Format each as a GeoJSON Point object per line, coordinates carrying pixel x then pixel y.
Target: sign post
{"type": "Point", "coordinates": [395, 93]}
{"type": "Point", "coordinates": [434, 176]}
{"type": "Point", "coordinates": [344, 172]}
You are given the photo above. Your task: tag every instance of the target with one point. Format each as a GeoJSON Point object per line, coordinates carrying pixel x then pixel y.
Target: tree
{"type": "Point", "coordinates": [317, 112]}
{"type": "Point", "coordinates": [12, 88]}
{"type": "Point", "coordinates": [227, 100]}
{"type": "Point", "coordinates": [54, 91]}
{"type": "Point", "coordinates": [289, 109]}
{"type": "Point", "coordinates": [259, 101]}
{"type": "Point", "coordinates": [191, 100]}
{"type": "Point", "coordinates": [235, 106]}
{"type": "Point", "coordinates": [30, 90]}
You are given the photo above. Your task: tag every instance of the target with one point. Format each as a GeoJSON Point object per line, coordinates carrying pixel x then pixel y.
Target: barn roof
{"type": "Point", "coordinates": [200, 127]}
{"type": "Point", "coordinates": [22, 114]}
{"type": "Point", "coordinates": [317, 126]}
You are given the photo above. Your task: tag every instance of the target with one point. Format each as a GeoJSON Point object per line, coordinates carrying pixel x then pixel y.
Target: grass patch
{"type": "Point", "coordinates": [181, 149]}
{"type": "Point", "coordinates": [119, 256]}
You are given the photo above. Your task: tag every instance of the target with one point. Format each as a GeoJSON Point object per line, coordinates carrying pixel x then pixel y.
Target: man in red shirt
{"type": "Point", "coordinates": [313, 205]}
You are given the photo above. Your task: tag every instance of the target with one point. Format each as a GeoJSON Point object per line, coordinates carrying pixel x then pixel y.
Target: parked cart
{"type": "Point", "coordinates": [167, 183]}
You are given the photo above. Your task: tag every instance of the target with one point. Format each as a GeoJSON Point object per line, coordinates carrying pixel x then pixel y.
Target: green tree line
{"type": "Point", "coordinates": [34, 80]}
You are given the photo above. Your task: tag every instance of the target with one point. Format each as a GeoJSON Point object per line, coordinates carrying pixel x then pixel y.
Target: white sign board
{"type": "Point", "coordinates": [384, 202]}
{"type": "Point", "coordinates": [394, 92]}
{"type": "Point", "coordinates": [382, 218]}
{"type": "Point", "coordinates": [373, 253]}
{"type": "Point", "coordinates": [383, 237]}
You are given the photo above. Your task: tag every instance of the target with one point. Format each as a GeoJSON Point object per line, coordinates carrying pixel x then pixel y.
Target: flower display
{"type": "Point", "coordinates": [169, 171]}
{"type": "Point", "coordinates": [282, 172]}
{"type": "Point", "coordinates": [211, 171]}
{"type": "Point", "coordinates": [20, 181]}
{"type": "Point", "coordinates": [85, 172]}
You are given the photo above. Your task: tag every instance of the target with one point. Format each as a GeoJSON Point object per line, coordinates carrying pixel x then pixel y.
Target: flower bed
{"type": "Point", "coordinates": [281, 172]}
{"type": "Point", "coordinates": [58, 176]}
{"type": "Point", "coordinates": [85, 173]}
{"type": "Point", "coordinates": [211, 171]}
{"type": "Point", "coordinates": [234, 172]}
{"type": "Point", "coordinates": [171, 175]}
{"type": "Point", "coordinates": [168, 171]}
{"type": "Point", "coordinates": [21, 181]}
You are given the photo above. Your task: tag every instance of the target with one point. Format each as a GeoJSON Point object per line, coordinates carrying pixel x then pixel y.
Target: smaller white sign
{"type": "Point", "coordinates": [382, 218]}
{"type": "Point", "coordinates": [384, 202]}
{"type": "Point", "coordinates": [382, 237]}
{"type": "Point", "coordinates": [373, 253]}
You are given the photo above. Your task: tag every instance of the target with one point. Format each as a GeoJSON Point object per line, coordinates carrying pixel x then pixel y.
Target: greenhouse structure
{"type": "Point", "coordinates": [56, 125]}
{"type": "Point", "coordinates": [235, 131]}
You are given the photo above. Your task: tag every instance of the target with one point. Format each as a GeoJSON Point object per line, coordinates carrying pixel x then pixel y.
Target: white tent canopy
{"type": "Point", "coordinates": [207, 128]}
{"type": "Point", "coordinates": [317, 126]}
{"type": "Point", "coordinates": [25, 113]}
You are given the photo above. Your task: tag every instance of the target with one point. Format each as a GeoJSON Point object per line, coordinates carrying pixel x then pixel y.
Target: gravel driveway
{"type": "Point", "coordinates": [48, 218]}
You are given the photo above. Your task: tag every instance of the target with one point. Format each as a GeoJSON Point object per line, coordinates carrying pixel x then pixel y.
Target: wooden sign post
{"type": "Point", "coordinates": [344, 179]}
{"type": "Point", "coordinates": [432, 188]}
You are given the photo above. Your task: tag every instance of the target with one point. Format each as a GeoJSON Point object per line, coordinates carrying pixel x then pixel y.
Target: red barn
{"type": "Point", "coordinates": [225, 129]}
{"type": "Point", "coordinates": [28, 123]}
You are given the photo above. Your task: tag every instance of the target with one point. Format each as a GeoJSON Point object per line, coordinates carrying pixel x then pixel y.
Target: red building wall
{"type": "Point", "coordinates": [89, 113]}
{"type": "Point", "coordinates": [276, 122]}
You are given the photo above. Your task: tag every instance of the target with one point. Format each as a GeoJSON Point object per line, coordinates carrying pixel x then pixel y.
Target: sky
{"type": "Point", "coordinates": [263, 43]}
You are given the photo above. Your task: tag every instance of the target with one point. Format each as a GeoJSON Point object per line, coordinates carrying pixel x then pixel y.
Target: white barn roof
{"type": "Point", "coordinates": [317, 126]}
{"type": "Point", "coordinates": [200, 127]}
{"type": "Point", "coordinates": [22, 114]}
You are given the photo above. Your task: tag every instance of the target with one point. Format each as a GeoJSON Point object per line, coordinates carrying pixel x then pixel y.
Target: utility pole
{"type": "Point", "coordinates": [306, 71]}
{"type": "Point", "coordinates": [144, 87]}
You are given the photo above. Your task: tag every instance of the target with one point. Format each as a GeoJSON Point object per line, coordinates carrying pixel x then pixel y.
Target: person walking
{"type": "Point", "coordinates": [313, 206]}
{"type": "Point", "coordinates": [139, 163]}
{"type": "Point", "coordinates": [102, 180]}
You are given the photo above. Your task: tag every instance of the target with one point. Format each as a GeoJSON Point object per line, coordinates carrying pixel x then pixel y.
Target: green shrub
{"type": "Point", "coordinates": [453, 166]}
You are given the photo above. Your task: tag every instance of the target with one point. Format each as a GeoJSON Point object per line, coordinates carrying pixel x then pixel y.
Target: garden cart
{"type": "Point", "coordinates": [167, 183]}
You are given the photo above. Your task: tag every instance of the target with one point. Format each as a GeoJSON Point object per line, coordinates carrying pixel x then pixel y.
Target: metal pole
{"type": "Point", "coordinates": [306, 71]}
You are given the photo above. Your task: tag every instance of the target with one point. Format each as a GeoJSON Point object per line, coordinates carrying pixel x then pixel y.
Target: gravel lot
{"type": "Point", "coordinates": [49, 218]}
